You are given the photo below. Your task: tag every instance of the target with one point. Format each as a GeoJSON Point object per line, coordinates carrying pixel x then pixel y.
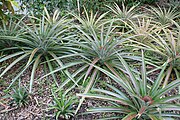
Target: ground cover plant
{"type": "Point", "coordinates": [114, 61]}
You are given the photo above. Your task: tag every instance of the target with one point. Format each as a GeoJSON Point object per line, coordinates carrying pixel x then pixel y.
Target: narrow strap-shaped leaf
{"type": "Point", "coordinates": [32, 55]}
{"type": "Point", "coordinates": [164, 115]}
{"type": "Point", "coordinates": [108, 32]}
{"type": "Point", "coordinates": [153, 117]}
{"type": "Point", "coordinates": [33, 72]}
{"type": "Point", "coordinates": [144, 76]}
{"type": "Point", "coordinates": [167, 99]}
{"type": "Point", "coordinates": [19, 74]}
{"type": "Point", "coordinates": [17, 39]}
{"type": "Point", "coordinates": [104, 97]}
{"type": "Point", "coordinates": [51, 69]}
{"type": "Point", "coordinates": [177, 73]}
{"type": "Point", "coordinates": [158, 81]}
{"type": "Point", "coordinates": [167, 75]}
{"type": "Point", "coordinates": [62, 68]}
{"type": "Point", "coordinates": [130, 116]}
{"type": "Point", "coordinates": [13, 63]}
{"type": "Point", "coordinates": [116, 79]}
{"type": "Point", "coordinates": [87, 89]}
{"type": "Point", "coordinates": [170, 107]}
{"type": "Point", "coordinates": [61, 64]}
{"type": "Point", "coordinates": [90, 68]}
{"type": "Point", "coordinates": [119, 109]}
{"type": "Point", "coordinates": [11, 56]}
{"type": "Point", "coordinates": [118, 91]}
{"type": "Point", "coordinates": [111, 118]}
{"type": "Point", "coordinates": [141, 111]}
{"type": "Point", "coordinates": [171, 39]}
{"type": "Point", "coordinates": [109, 93]}
{"type": "Point", "coordinates": [64, 56]}
{"type": "Point", "coordinates": [132, 77]}
{"type": "Point", "coordinates": [80, 70]}
{"type": "Point", "coordinates": [47, 14]}
{"type": "Point", "coordinates": [111, 69]}
{"type": "Point", "coordinates": [167, 88]}
{"type": "Point", "coordinates": [70, 88]}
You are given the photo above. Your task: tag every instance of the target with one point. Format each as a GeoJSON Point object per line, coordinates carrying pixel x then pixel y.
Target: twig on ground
{"type": "Point", "coordinates": [7, 110]}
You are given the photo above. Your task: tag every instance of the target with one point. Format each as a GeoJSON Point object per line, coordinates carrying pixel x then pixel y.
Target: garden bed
{"type": "Point", "coordinates": [122, 62]}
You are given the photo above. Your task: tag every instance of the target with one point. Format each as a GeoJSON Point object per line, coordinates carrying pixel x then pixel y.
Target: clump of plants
{"type": "Point", "coordinates": [144, 98]}
{"type": "Point", "coordinates": [63, 105]}
{"type": "Point", "coordinates": [19, 96]}
{"type": "Point", "coordinates": [42, 39]}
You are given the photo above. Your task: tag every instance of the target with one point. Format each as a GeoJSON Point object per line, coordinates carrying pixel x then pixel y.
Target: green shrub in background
{"type": "Point", "coordinates": [6, 6]}
{"type": "Point", "coordinates": [37, 6]}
